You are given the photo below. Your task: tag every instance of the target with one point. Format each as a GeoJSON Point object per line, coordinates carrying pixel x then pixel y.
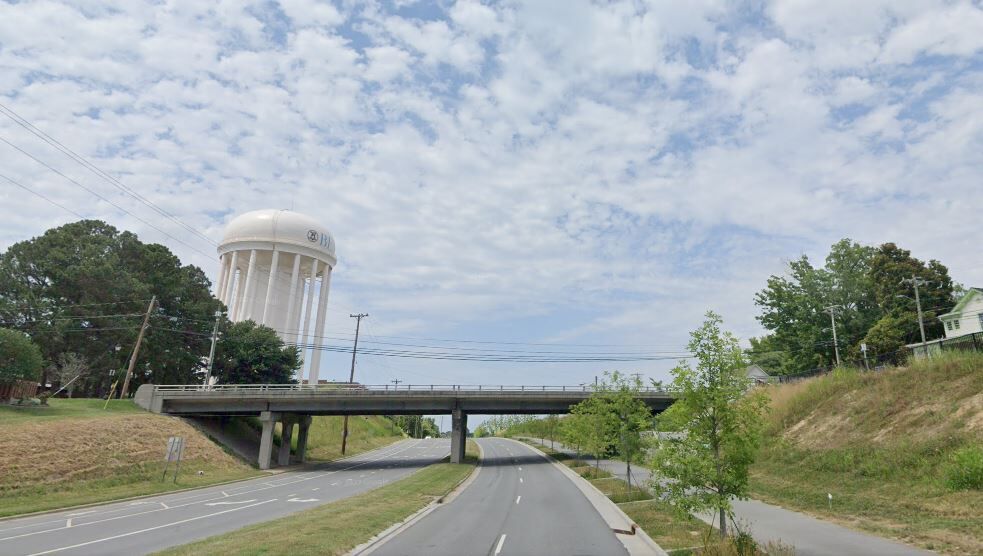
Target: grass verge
{"type": "Point", "coordinates": [338, 527]}
{"type": "Point", "coordinates": [888, 446]}
{"type": "Point", "coordinates": [74, 452]}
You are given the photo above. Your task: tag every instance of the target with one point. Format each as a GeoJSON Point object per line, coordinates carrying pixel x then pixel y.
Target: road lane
{"type": "Point", "coordinates": [518, 505]}
{"type": "Point", "coordinates": [151, 524]}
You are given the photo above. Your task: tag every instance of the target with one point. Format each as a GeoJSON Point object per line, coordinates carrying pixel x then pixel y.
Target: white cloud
{"type": "Point", "coordinates": [606, 172]}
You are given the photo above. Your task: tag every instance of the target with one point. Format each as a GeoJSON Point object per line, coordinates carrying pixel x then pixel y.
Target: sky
{"type": "Point", "coordinates": [547, 172]}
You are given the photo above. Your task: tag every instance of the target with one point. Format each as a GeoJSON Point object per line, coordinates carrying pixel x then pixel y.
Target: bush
{"type": "Point", "coordinates": [965, 471]}
{"type": "Point", "coordinates": [20, 359]}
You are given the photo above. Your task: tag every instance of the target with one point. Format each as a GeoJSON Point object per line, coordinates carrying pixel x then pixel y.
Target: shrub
{"type": "Point", "coordinates": [965, 470]}
{"type": "Point", "coordinates": [20, 358]}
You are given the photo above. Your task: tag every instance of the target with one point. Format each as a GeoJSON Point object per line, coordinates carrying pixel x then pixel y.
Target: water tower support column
{"type": "Point", "coordinates": [230, 281]}
{"type": "Point", "coordinates": [274, 266]}
{"type": "Point", "coordinates": [322, 313]}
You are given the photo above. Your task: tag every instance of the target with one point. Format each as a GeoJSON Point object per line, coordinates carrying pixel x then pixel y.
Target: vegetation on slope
{"type": "Point", "coordinates": [364, 433]}
{"type": "Point", "coordinates": [901, 451]}
{"type": "Point", "coordinates": [74, 452]}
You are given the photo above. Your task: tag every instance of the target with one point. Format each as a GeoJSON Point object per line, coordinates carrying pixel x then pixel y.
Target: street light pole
{"type": "Point", "coordinates": [351, 376]}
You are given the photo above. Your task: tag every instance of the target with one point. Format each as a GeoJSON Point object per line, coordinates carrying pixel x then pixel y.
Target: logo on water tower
{"type": "Point", "coordinates": [312, 235]}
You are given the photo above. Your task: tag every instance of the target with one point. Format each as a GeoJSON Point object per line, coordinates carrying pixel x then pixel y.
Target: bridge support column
{"type": "Point", "coordinates": [304, 424]}
{"type": "Point", "coordinates": [459, 435]}
{"type": "Point", "coordinates": [268, 419]}
{"type": "Point", "coordinates": [286, 435]}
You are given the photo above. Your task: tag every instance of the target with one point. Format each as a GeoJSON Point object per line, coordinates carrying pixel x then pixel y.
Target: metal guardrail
{"type": "Point", "coordinates": [366, 388]}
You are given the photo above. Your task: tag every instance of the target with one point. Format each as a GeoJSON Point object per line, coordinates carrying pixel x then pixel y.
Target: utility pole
{"type": "Point", "coordinates": [396, 381]}
{"type": "Point", "coordinates": [916, 281]}
{"type": "Point", "coordinates": [392, 418]}
{"type": "Point", "coordinates": [351, 376]}
{"type": "Point", "coordinates": [211, 352]}
{"type": "Point", "coordinates": [136, 349]}
{"type": "Point", "coordinates": [832, 315]}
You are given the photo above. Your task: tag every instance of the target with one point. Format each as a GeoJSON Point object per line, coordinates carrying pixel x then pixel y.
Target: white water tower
{"type": "Point", "coordinates": [274, 265]}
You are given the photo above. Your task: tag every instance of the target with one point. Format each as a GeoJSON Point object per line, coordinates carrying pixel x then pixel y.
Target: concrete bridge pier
{"type": "Point", "coordinates": [304, 424]}
{"type": "Point", "coordinates": [286, 435]}
{"type": "Point", "coordinates": [268, 420]}
{"type": "Point", "coordinates": [459, 435]}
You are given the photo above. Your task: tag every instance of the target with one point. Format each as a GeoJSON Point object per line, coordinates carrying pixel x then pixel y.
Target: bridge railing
{"type": "Point", "coordinates": [355, 389]}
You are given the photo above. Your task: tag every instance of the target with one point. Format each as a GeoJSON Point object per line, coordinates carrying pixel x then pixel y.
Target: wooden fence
{"type": "Point", "coordinates": [18, 389]}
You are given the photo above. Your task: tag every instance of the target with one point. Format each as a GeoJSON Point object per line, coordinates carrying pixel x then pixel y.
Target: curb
{"type": "Point", "coordinates": [635, 540]}
{"type": "Point", "coordinates": [389, 533]}
{"type": "Point", "coordinates": [262, 473]}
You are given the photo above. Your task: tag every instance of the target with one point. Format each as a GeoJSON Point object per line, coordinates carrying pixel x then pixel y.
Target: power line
{"type": "Point", "coordinates": [24, 123]}
{"type": "Point", "coordinates": [77, 183]}
{"type": "Point", "coordinates": [53, 202]}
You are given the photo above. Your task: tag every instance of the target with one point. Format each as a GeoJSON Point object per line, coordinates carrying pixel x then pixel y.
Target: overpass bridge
{"type": "Point", "coordinates": [293, 404]}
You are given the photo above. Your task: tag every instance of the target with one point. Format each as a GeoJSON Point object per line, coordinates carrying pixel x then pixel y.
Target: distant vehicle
{"type": "Point", "coordinates": [428, 437]}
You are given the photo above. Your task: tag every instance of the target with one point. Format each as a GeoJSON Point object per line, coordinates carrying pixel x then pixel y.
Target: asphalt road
{"type": "Point", "coordinates": [151, 524]}
{"type": "Point", "coordinates": [518, 505]}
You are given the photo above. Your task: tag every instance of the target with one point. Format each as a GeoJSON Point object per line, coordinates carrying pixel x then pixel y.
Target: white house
{"type": "Point", "coordinates": [964, 319]}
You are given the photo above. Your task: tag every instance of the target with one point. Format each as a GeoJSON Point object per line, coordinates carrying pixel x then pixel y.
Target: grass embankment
{"type": "Point", "coordinates": [338, 527]}
{"type": "Point", "coordinates": [75, 452]}
{"type": "Point", "coordinates": [364, 433]}
{"type": "Point", "coordinates": [897, 449]}
{"type": "Point", "coordinates": [675, 531]}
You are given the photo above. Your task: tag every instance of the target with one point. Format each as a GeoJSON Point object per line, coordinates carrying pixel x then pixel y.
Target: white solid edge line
{"type": "Point", "coordinates": [517, 498]}
{"type": "Point", "coordinates": [319, 475]}
{"type": "Point", "coordinates": [501, 541]}
{"type": "Point", "coordinates": [115, 506]}
{"type": "Point", "coordinates": [149, 529]}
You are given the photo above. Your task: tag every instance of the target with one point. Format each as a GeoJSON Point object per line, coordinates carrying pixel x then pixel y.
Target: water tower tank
{"type": "Point", "coordinates": [276, 270]}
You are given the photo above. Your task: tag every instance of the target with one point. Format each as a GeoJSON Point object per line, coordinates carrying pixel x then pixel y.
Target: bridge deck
{"type": "Point", "coordinates": [362, 400]}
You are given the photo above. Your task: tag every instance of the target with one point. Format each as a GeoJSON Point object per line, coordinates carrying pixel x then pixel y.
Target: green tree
{"type": "Point", "coordinates": [83, 288]}
{"type": "Point", "coordinates": [886, 336]}
{"type": "Point", "coordinates": [767, 354]}
{"type": "Point", "coordinates": [249, 353]}
{"type": "Point", "coordinates": [792, 306]}
{"type": "Point", "coordinates": [20, 358]}
{"type": "Point", "coordinates": [597, 426]}
{"type": "Point", "coordinates": [889, 269]}
{"type": "Point", "coordinates": [707, 466]}
{"type": "Point", "coordinates": [630, 416]}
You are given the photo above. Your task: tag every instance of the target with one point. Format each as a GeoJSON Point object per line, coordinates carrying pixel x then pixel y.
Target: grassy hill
{"type": "Point", "coordinates": [364, 433]}
{"type": "Point", "coordinates": [901, 451]}
{"type": "Point", "coordinates": [74, 452]}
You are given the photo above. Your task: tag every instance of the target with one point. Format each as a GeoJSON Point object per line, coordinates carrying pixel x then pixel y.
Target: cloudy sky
{"type": "Point", "coordinates": [547, 172]}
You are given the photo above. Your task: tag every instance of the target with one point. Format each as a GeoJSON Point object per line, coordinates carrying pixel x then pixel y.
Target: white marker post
{"type": "Point", "coordinates": [830, 497]}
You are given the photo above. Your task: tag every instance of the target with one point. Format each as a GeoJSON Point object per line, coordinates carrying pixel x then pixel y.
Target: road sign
{"type": "Point", "coordinates": [863, 348]}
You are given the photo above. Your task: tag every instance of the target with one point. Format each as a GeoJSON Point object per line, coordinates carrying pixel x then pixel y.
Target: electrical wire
{"type": "Point", "coordinates": [92, 191]}
{"type": "Point", "coordinates": [24, 123]}
{"type": "Point", "coordinates": [53, 202]}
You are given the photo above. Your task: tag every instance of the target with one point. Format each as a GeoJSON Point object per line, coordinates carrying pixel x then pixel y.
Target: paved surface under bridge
{"type": "Point", "coordinates": [294, 404]}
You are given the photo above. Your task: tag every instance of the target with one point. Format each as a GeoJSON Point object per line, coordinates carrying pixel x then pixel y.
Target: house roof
{"type": "Point", "coordinates": [754, 371]}
{"type": "Point", "coordinates": [973, 292]}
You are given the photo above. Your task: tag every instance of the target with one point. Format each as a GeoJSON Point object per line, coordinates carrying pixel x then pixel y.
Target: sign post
{"type": "Point", "coordinates": [175, 449]}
